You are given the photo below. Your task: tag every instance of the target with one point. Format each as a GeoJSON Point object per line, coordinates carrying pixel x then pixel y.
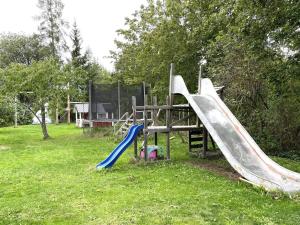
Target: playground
{"type": "Point", "coordinates": [218, 176]}
{"type": "Point", "coordinates": [55, 182]}
{"type": "Point", "coordinates": [149, 112]}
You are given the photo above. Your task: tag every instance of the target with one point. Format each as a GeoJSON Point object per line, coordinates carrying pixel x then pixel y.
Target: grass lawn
{"type": "Point", "coordinates": [55, 182]}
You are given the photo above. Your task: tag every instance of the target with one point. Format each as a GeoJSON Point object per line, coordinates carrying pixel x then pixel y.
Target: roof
{"type": "Point", "coordinates": [99, 107]}
{"type": "Point", "coordinates": [103, 107]}
{"type": "Point", "coordinates": [82, 107]}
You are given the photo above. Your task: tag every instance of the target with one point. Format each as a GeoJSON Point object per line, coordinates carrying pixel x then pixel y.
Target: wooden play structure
{"type": "Point", "coordinates": [169, 118]}
{"type": "Point", "coordinates": [217, 124]}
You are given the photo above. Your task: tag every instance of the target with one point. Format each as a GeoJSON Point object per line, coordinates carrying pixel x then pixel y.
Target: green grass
{"type": "Point", "coordinates": [55, 182]}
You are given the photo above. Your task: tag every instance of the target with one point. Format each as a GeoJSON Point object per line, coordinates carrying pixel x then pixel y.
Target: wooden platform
{"type": "Point", "coordinates": [164, 129]}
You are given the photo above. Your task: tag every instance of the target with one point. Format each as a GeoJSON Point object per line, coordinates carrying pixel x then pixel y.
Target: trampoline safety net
{"type": "Point", "coordinates": [111, 101]}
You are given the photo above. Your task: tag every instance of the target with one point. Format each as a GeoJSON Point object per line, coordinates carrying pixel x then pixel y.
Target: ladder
{"type": "Point", "coordinates": [196, 141]}
{"type": "Point", "coordinates": [123, 129]}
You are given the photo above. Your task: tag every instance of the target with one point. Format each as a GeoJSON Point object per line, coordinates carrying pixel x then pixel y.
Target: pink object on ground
{"type": "Point", "coordinates": [152, 155]}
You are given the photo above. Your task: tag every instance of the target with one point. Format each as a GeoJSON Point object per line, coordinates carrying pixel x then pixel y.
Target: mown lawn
{"type": "Point", "coordinates": [55, 182]}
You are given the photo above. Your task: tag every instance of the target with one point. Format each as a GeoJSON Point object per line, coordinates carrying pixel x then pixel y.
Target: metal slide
{"type": "Point", "coordinates": [238, 147]}
{"type": "Point", "coordinates": [117, 152]}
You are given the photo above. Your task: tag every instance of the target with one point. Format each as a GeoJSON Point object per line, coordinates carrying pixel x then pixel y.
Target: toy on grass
{"type": "Point", "coordinates": [153, 152]}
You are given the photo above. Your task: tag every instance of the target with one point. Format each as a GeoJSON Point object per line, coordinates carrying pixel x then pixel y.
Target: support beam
{"type": "Point", "coordinates": [165, 107]}
{"type": "Point", "coordinates": [205, 142]}
{"type": "Point", "coordinates": [155, 111]}
{"type": "Point", "coordinates": [135, 148]}
{"type": "Point", "coordinates": [145, 130]}
{"type": "Point", "coordinates": [56, 114]}
{"type": "Point", "coordinates": [199, 78]}
{"type": "Point", "coordinates": [172, 73]}
{"type": "Point", "coordinates": [168, 122]}
{"type": "Point", "coordinates": [155, 118]}
{"type": "Point", "coordinates": [68, 105]}
{"type": "Point", "coordinates": [16, 111]}
{"type": "Point", "coordinates": [119, 99]}
{"type": "Point", "coordinates": [165, 129]}
{"type": "Point", "coordinates": [90, 99]}
{"type": "Point", "coordinates": [90, 103]}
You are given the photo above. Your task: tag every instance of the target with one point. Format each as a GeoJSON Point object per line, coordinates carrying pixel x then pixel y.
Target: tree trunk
{"type": "Point", "coordinates": [43, 124]}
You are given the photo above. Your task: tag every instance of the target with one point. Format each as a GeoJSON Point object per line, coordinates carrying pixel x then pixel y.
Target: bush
{"type": "Point", "coordinates": [7, 113]}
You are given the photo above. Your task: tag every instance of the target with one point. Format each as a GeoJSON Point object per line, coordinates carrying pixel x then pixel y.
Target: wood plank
{"type": "Point", "coordinates": [196, 146]}
{"type": "Point", "coordinates": [192, 139]}
{"type": "Point", "coordinates": [196, 132]}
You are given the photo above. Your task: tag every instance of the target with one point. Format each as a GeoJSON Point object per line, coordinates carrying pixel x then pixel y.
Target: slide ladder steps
{"type": "Point", "coordinates": [126, 127]}
{"type": "Point", "coordinates": [196, 141]}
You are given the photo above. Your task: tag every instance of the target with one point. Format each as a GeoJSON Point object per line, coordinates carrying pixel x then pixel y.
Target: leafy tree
{"type": "Point", "coordinates": [23, 49]}
{"type": "Point", "coordinates": [16, 48]}
{"type": "Point", "coordinates": [52, 26]}
{"type": "Point", "coordinates": [44, 80]}
{"type": "Point", "coordinates": [252, 47]}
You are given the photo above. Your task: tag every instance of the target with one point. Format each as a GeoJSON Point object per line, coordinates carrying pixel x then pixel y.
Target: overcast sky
{"type": "Point", "coordinates": [97, 20]}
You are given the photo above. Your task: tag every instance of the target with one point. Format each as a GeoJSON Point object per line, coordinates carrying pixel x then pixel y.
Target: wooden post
{"type": "Point", "coordinates": [135, 147]}
{"type": "Point", "coordinates": [119, 98]}
{"type": "Point", "coordinates": [205, 142]}
{"type": "Point", "coordinates": [90, 103]}
{"type": "Point", "coordinates": [155, 111]}
{"type": "Point", "coordinates": [199, 78]}
{"type": "Point", "coordinates": [155, 138]}
{"type": "Point", "coordinates": [145, 129]}
{"type": "Point", "coordinates": [168, 122]}
{"type": "Point", "coordinates": [190, 141]}
{"type": "Point", "coordinates": [56, 114]}
{"type": "Point", "coordinates": [16, 112]}
{"type": "Point", "coordinates": [144, 91]}
{"type": "Point", "coordinates": [155, 118]}
{"type": "Point", "coordinates": [222, 94]}
{"type": "Point", "coordinates": [172, 73]}
{"type": "Point", "coordinates": [90, 99]}
{"type": "Point", "coordinates": [188, 116]}
{"type": "Point", "coordinates": [76, 115]}
{"type": "Point", "coordinates": [69, 105]}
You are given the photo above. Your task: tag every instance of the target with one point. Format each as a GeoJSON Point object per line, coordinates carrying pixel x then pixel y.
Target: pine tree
{"type": "Point", "coordinates": [77, 58]}
{"type": "Point", "coordinates": [52, 26]}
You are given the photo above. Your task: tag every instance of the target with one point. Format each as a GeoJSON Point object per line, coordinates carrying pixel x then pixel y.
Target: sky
{"type": "Point", "coordinates": [97, 20]}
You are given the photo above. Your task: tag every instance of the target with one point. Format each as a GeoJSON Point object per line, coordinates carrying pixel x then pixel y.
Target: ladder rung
{"type": "Point", "coordinates": [196, 132]}
{"type": "Point", "coordinates": [196, 146]}
{"type": "Point", "coordinates": [196, 139]}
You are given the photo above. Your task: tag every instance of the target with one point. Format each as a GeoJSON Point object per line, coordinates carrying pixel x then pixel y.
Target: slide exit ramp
{"type": "Point", "coordinates": [118, 151]}
{"type": "Point", "coordinates": [238, 147]}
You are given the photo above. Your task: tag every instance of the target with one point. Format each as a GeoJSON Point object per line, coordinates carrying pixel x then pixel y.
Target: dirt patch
{"type": "Point", "coordinates": [4, 148]}
{"type": "Point", "coordinates": [222, 170]}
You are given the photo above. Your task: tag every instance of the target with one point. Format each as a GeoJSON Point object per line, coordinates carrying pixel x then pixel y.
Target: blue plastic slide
{"type": "Point", "coordinates": [117, 152]}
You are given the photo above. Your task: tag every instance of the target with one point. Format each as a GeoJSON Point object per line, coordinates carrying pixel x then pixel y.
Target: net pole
{"type": "Point", "coordinates": [69, 105]}
{"type": "Point", "coordinates": [90, 100]}
{"type": "Point", "coordinates": [119, 99]}
{"type": "Point", "coordinates": [16, 112]}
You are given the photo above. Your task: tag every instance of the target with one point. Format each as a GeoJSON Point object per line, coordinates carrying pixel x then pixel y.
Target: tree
{"type": "Point", "coordinates": [16, 48]}
{"type": "Point", "coordinates": [252, 47]}
{"type": "Point", "coordinates": [76, 57]}
{"type": "Point", "coordinates": [23, 49]}
{"type": "Point", "coordinates": [83, 67]}
{"type": "Point", "coordinates": [52, 26]}
{"type": "Point", "coordinates": [44, 80]}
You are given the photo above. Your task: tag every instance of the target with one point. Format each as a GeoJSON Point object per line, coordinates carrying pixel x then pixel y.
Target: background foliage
{"type": "Point", "coordinates": [252, 47]}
